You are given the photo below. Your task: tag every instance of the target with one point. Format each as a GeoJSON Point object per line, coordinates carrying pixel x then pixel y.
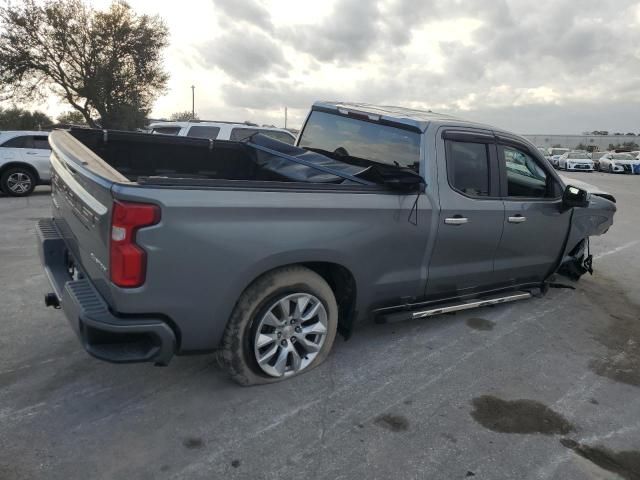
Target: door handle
{"type": "Point", "coordinates": [517, 219]}
{"type": "Point", "coordinates": [456, 220]}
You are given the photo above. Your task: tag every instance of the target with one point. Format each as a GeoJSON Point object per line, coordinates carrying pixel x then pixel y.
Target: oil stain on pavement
{"type": "Point", "coordinates": [518, 416]}
{"type": "Point", "coordinates": [480, 324]}
{"type": "Point", "coordinates": [395, 423]}
{"type": "Point", "coordinates": [625, 464]}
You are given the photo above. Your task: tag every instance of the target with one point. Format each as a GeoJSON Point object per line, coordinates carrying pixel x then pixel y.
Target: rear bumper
{"type": "Point", "coordinates": [112, 338]}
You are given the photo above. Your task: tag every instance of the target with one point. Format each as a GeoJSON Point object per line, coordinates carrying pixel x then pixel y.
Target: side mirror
{"type": "Point", "coordinates": [575, 197]}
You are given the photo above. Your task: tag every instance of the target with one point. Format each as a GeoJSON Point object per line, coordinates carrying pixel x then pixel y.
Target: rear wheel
{"type": "Point", "coordinates": [284, 324]}
{"type": "Point", "coordinates": [18, 182]}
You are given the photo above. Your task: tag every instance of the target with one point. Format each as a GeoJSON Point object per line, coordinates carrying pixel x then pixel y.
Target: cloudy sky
{"type": "Point", "coordinates": [549, 66]}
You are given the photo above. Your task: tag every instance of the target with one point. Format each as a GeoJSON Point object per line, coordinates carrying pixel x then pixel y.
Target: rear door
{"type": "Point", "coordinates": [471, 214]}
{"type": "Point", "coordinates": [12, 150]}
{"type": "Point", "coordinates": [37, 153]}
{"type": "Point", "coordinates": [535, 225]}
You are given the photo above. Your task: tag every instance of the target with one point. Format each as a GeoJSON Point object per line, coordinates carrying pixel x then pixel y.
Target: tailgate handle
{"type": "Point", "coordinates": [517, 219]}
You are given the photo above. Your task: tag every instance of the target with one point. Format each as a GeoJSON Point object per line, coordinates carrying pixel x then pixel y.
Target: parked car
{"type": "Point", "coordinates": [554, 155]}
{"type": "Point", "coordinates": [619, 163]}
{"type": "Point", "coordinates": [576, 161]}
{"type": "Point", "coordinates": [162, 245]}
{"type": "Point", "coordinates": [220, 130]}
{"type": "Point", "coordinates": [24, 161]}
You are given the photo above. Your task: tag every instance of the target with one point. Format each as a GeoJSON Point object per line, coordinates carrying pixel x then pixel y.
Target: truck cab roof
{"type": "Point", "coordinates": [420, 119]}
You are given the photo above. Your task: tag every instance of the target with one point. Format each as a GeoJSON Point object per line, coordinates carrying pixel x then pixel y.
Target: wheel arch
{"type": "Point", "coordinates": [340, 279]}
{"type": "Point", "coordinates": [16, 164]}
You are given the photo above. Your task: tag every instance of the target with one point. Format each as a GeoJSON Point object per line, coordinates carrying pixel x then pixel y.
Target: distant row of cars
{"type": "Point", "coordinates": [581, 160]}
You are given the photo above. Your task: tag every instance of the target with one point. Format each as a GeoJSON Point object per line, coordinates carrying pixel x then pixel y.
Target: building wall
{"type": "Point", "coordinates": [572, 141]}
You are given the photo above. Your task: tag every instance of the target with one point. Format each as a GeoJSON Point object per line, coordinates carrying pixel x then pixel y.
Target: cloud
{"type": "Point", "coordinates": [550, 63]}
{"type": "Point", "coordinates": [349, 33]}
{"type": "Point", "coordinates": [244, 54]}
{"type": "Point", "coordinates": [249, 11]}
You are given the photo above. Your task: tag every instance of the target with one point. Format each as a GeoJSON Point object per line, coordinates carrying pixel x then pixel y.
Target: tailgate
{"type": "Point", "coordinates": [81, 196]}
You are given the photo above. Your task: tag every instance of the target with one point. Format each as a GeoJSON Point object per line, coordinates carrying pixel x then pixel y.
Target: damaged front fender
{"type": "Point", "coordinates": [596, 219]}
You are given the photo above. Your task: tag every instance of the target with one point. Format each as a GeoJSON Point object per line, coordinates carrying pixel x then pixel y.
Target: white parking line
{"type": "Point", "coordinates": [616, 250]}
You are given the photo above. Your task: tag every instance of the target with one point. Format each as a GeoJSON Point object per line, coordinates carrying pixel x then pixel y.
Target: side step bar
{"type": "Point", "coordinates": [451, 307]}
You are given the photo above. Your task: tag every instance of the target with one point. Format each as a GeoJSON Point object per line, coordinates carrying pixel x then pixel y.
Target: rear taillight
{"type": "Point", "coordinates": [127, 261]}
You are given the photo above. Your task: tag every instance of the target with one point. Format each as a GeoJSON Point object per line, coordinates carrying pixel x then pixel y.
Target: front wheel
{"type": "Point", "coordinates": [18, 182]}
{"type": "Point", "coordinates": [283, 324]}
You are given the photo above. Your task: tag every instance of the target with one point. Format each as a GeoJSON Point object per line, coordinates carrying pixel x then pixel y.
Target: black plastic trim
{"type": "Point", "coordinates": [102, 334]}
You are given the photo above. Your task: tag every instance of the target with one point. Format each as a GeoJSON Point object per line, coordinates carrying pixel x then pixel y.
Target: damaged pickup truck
{"type": "Point", "coordinates": [163, 245]}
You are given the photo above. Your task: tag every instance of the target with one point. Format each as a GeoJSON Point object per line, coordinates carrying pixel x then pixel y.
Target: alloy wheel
{"type": "Point", "coordinates": [19, 182]}
{"type": "Point", "coordinates": [290, 334]}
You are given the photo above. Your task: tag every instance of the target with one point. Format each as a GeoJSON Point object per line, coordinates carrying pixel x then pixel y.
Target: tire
{"type": "Point", "coordinates": [18, 182]}
{"type": "Point", "coordinates": [611, 169]}
{"type": "Point", "coordinates": [240, 350]}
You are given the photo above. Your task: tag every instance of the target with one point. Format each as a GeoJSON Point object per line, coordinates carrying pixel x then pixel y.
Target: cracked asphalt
{"type": "Point", "coordinates": [486, 394]}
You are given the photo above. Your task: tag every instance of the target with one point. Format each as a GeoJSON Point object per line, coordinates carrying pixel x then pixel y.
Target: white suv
{"type": "Point", "coordinates": [24, 161]}
{"type": "Point", "coordinates": [220, 130]}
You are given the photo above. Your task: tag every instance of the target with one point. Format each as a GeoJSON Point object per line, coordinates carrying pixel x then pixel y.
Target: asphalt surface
{"type": "Point", "coordinates": [544, 388]}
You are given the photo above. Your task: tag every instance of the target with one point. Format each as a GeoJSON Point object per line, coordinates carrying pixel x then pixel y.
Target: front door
{"type": "Point", "coordinates": [535, 224]}
{"type": "Point", "coordinates": [471, 214]}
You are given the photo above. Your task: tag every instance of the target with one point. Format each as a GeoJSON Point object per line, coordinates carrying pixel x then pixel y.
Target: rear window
{"type": "Point", "coordinates": [239, 134]}
{"type": "Point", "coordinates": [203, 132]}
{"type": "Point", "coordinates": [166, 130]}
{"type": "Point", "coordinates": [362, 139]}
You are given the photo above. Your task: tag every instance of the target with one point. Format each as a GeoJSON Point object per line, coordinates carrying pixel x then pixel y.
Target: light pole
{"type": "Point", "coordinates": [285, 117]}
{"type": "Point", "coordinates": [193, 102]}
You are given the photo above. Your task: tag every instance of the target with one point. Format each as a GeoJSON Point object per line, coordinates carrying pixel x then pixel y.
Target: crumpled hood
{"type": "Point", "coordinates": [583, 185]}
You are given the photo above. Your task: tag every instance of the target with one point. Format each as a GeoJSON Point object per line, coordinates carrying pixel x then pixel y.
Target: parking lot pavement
{"type": "Point", "coordinates": [545, 388]}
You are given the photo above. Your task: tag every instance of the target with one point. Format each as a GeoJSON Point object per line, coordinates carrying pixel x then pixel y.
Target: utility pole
{"type": "Point", "coordinates": [285, 117]}
{"type": "Point", "coordinates": [193, 102]}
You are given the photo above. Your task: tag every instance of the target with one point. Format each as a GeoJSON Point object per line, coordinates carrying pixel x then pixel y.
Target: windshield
{"type": "Point", "coordinates": [558, 151]}
{"type": "Point", "coordinates": [581, 156]}
{"type": "Point", "coordinates": [361, 139]}
{"type": "Point", "coordinates": [622, 156]}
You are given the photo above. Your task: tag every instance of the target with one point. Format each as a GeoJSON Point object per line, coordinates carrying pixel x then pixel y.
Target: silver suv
{"type": "Point", "coordinates": [24, 161]}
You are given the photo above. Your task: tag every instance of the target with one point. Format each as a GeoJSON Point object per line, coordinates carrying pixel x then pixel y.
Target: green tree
{"type": "Point", "coordinates": [182, 116]}
{"type": "Point", "coordinates": [72, 117]}
{"type": "Point", "coordinates": [20, 119]}
{"type": "Point", "coordinates": [106, 64]}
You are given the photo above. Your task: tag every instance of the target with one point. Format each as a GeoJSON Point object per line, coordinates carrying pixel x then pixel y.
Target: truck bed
{"type": "Point", "coordinates": [152, 158]}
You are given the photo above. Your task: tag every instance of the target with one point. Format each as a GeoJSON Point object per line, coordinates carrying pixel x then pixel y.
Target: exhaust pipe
{"type": "Point", "coordinates": [51, 300]}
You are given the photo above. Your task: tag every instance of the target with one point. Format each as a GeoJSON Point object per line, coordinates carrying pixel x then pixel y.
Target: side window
{"type": "Point", "coordinates": [41, 143]}
{"type": "Point", "coordinates": [167, 130]}
{"type": "Point", "coordinates": [280, 136]}
{"type": "Point", "coordinates": [525, 178]}
{"type": "Point", "coordinates": [468, 167]}
{"type": "Point", "coordinates": [18, 142]}
{"type": "Point", "coordinates": [239, 134]}
{"type": "Point", "coordinates": [203, 132]}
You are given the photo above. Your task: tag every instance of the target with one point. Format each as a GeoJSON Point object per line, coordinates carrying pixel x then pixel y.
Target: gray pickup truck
{"type": "Point", "coordinates": [163, 245]}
